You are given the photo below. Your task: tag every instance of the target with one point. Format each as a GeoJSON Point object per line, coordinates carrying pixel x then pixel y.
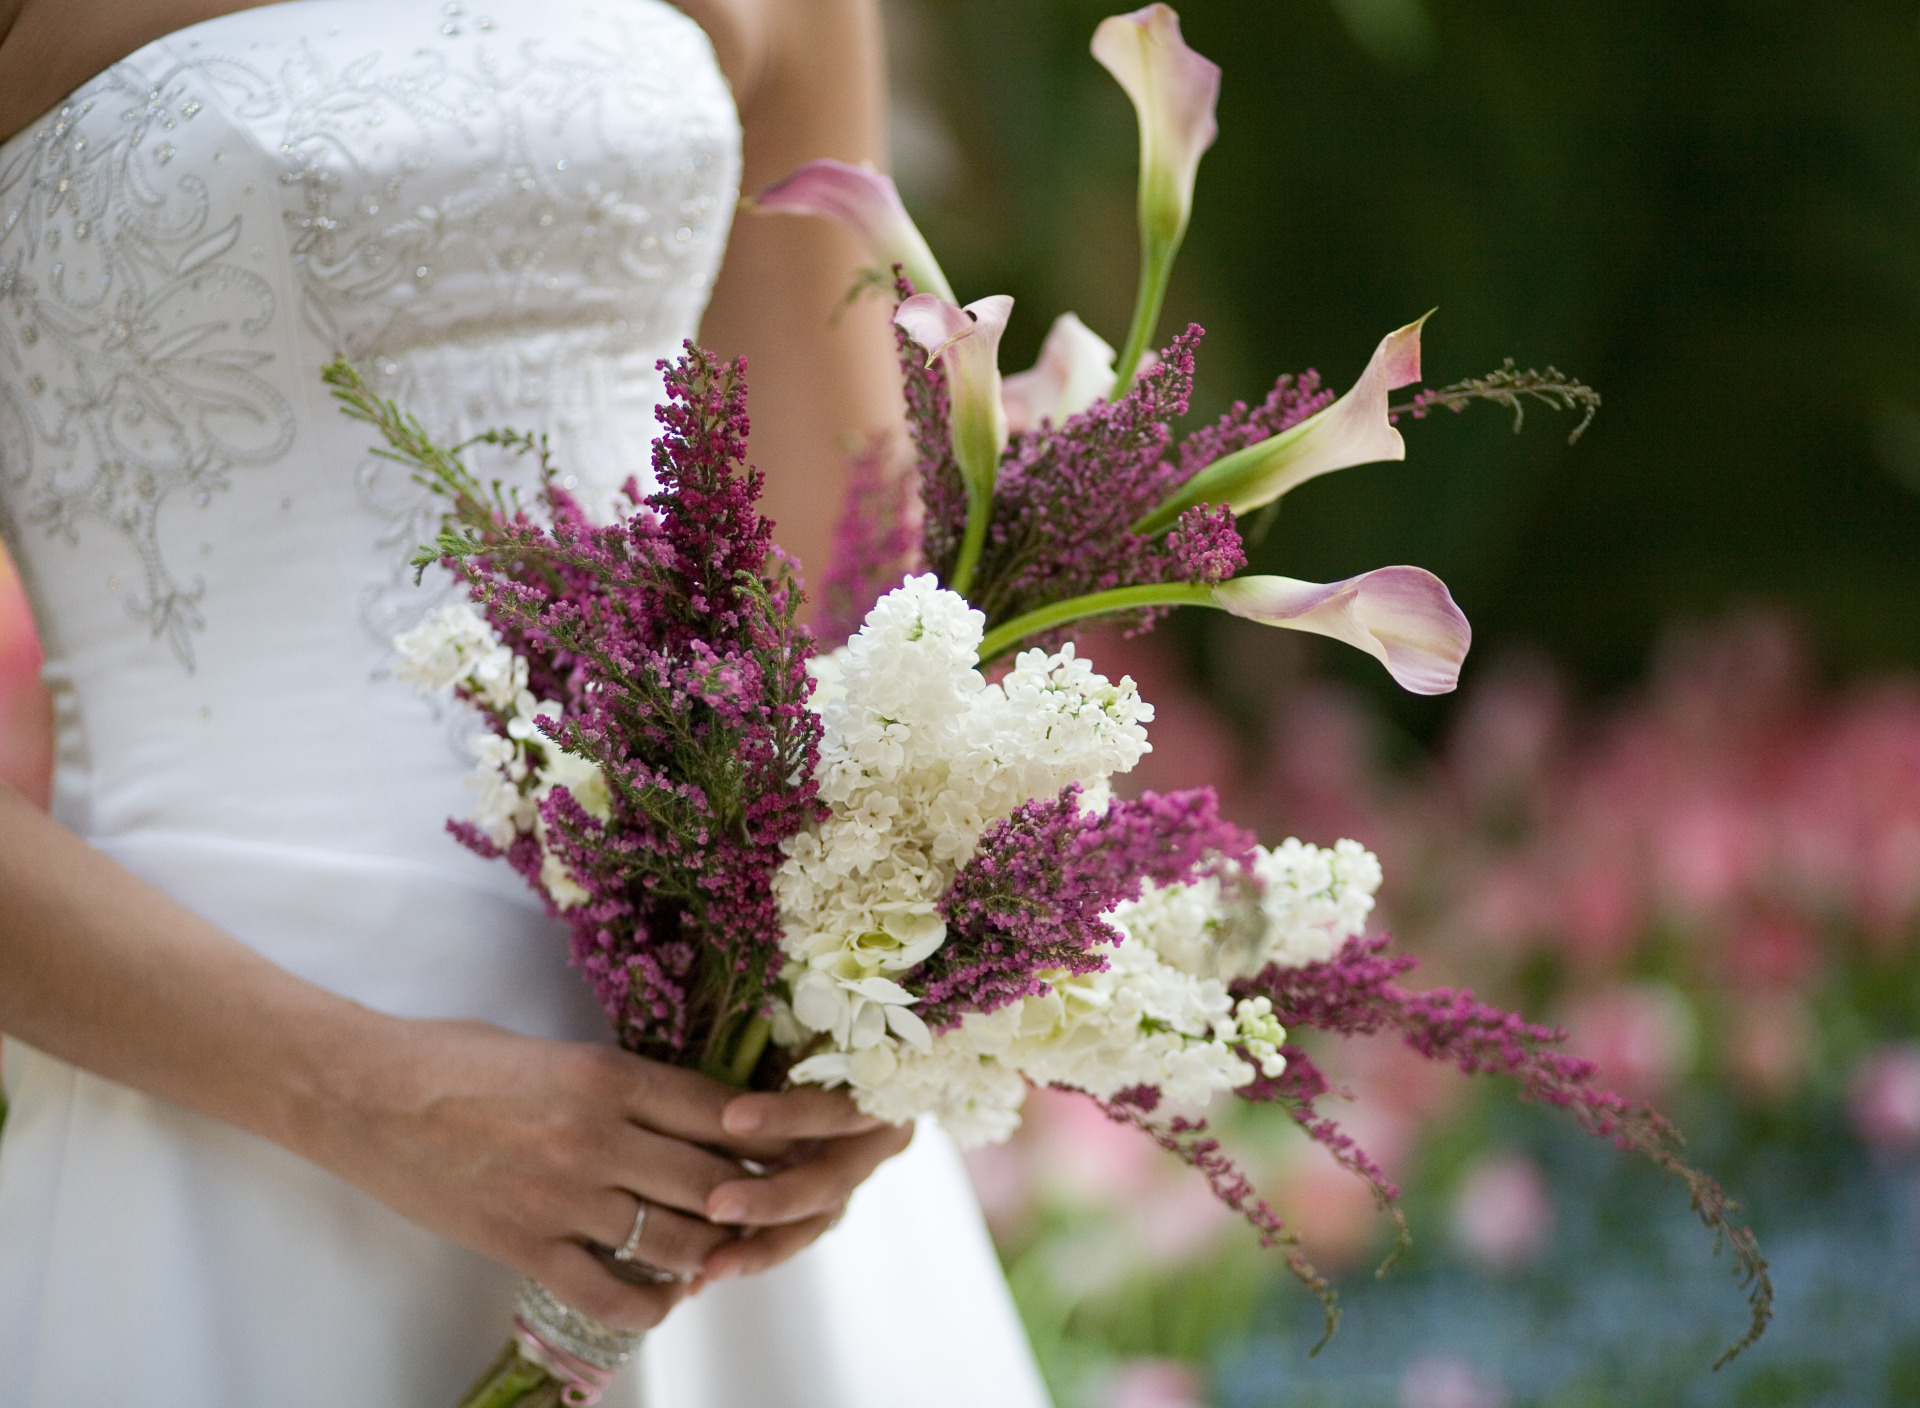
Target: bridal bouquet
{"type": "Point", "coordinates": [899, 867]}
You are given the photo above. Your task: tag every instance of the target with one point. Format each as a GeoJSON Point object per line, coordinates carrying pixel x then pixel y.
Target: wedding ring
{"type": "Point", "coordinates": [624, 1260]}
{"type": "Point", "coordinates": [629, 1250]}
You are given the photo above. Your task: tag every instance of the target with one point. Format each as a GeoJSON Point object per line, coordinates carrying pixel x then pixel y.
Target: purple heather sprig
{"type": "Point", "coordinates": [1356, 994]}
{"type": "Point", "coordinates": [1190, 1142]}
{"type": "Point", "coordinates": [1032, 898]}
{"type": "Point", "coordinates": [1067, 496]}
{"type": "Point", "coordinates": [668, 644]}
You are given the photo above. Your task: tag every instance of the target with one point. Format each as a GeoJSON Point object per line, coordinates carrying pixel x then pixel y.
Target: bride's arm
{"type": "Point", "coordinates": [809, 76]}
{"type": "Point", "coordinates": [516, 1147]}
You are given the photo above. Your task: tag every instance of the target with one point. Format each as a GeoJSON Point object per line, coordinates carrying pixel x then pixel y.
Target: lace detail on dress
{"type": "Point", "coordinates": [124, 273]}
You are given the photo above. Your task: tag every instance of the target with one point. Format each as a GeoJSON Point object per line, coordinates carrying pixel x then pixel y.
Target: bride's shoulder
{"type": "Point", "coordinates": [50, 48]}
{"type": "Point", "coordinates": [741, 33]}
{"type": "Point", "coordinates": [772, 43]}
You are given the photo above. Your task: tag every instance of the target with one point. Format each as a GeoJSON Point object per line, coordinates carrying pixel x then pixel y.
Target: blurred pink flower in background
{"type": "Point", "coordinates": [1181, 1220]}
{"type": "Point", "coordinates": [1502, 1216]}
{"type": "Point", "coordinates": [1082, 1156]}
{"type": "Point", "coordinates": [1502, 904]}
{"type": "Point", "coordinates": [1599, 907]}
{"type": "Point", "coordinates": [1643, 1037]}
{"type": "Point", "coordinates": [1773, 950]}
{"type": "Point", "coordinates": [1439, 1382]}
{"type": "Point", "coordinates": [1706, 848]}
{"type": "Point", "coordinates": [1886, 1098]}
{"type": "Point", "coordinates": [1155, 1383]}
{"type": "Point", "coordinates": [1769, 1042]}
{"type": "Point", "coordinates": [1507, 731]}
{"type": "Point", "coordinates": [26, 751]}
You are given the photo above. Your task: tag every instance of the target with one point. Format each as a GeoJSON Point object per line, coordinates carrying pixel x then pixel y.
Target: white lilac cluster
{"type": "Point", "coordinates": [1139, 1022]}
{"type": "Point", "coordinates": [920, 754]}
{"type": "Point", "coordinates": [1304, 903]}
{"type": "Point", "coordinates": [456, 646]}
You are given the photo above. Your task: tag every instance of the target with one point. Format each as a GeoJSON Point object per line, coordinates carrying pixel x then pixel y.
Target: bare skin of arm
{"type": "Point", "coordinates": [819, 372]}
{"type": "Point", "coordinates": [519, 1148]}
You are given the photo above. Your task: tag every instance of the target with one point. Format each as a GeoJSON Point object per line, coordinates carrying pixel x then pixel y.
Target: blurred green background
{"type": "Point", "coordinates": [1676, 803]}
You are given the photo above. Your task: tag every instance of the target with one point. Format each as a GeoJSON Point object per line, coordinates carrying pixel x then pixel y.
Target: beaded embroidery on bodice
{"type": "Point", "coordinates": [505, 215]}
{"type": "Point", "coordinates": [503, 212]}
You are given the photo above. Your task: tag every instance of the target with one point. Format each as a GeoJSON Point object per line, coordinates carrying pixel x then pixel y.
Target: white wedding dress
{"type": "Point", "coordinates": [505, 211]}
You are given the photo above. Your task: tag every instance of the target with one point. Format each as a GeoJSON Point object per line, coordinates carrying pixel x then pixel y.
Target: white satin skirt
{"type": "Point", "coordinates": [152, 1258]}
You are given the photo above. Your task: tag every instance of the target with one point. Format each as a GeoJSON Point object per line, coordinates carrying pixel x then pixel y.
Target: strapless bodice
{"type": "Point", "coordinates": [505, 211]}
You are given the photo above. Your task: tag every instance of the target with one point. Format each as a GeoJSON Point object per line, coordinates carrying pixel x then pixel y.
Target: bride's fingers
{"type": "Point", "coordinates": [668, 1240]}
{"type": "Point", "coordinates": [687, 1105]}
{"type": "Point", "coordinates": [664, 1171]}
{"type": "Point", "coordinates": [670, 1099]}
{"type": "Point", "coordinates": [819, 1185]}
{"type": "Point", "coordinates": [806, 1113]}
{"type": "Point", "coordinates": [766, 1248]}
{"type": "Point", "coordinates": [573, 1274]}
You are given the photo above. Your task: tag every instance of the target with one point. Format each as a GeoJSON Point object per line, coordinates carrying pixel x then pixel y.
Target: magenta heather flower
{"type": "Point", "coordinates": [1355, 994]}
{"type": "Point", "coordinates": [1032, 897]}
{"type": "Point", "coordinates": [1189, 1141]}
{"type": "Point", "coordinates": [1292, 400]}
{"type": "Point", "coordinates": [666, 650]}
{"type": "Point", "coordinates": [1068, 495]}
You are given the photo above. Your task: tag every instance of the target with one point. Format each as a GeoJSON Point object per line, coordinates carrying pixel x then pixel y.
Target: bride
{"type": "Point", "coordinates": [299, 1088]}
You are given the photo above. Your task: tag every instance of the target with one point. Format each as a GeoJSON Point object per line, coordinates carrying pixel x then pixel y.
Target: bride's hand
{"type": "Point", "coordinates": [529, 1151]}
{"type": "Point", "coordinates": [522, 1149]}
{"type": "Point", "coordinates": [835, 1149]}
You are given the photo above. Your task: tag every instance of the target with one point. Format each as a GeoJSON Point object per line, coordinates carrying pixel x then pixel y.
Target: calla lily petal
{"type": "Point", "coordinates": [933, 322]}
{"type": "Point", "coordinates": [1074, 371]}
{"type": "Point", "coordinates": [868, 204]}
{"type": "Point", "coordinates": [1402, 616]}
{"type": "Point", "coordinates": [967, 343]}
{"type": "Point", "coordinates": [1174, 91]}
{"type": "Point", "coordinates": [1353, 430]}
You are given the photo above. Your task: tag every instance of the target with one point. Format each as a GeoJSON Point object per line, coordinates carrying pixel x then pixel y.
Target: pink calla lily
{"type": "Point", "coordinates": [966, 342]}
{"type": "Point", "coordinates": [1074, 371]}
{"type": "Point", "coordinates": [868, 204]}
{"type": "Point", "coordinates": [1402, 616]}
{"type": "Point", "coordinates": [1174, 91]}
{"type": "Point", "coordinates": [1353, 430]}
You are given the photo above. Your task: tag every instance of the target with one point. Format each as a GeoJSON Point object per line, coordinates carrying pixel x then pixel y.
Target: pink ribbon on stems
{"type": "Point", "coordinates": [584, 1382]}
